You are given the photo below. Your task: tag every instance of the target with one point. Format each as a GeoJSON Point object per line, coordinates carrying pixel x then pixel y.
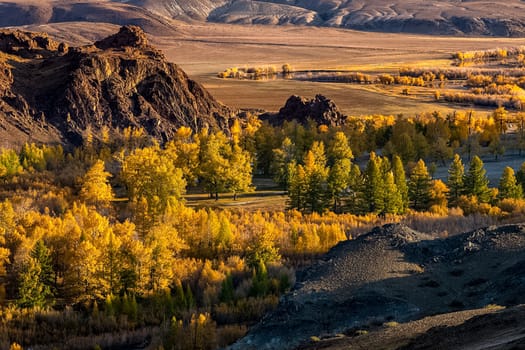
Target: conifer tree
{"type": "Point", "coordinates": [393, 202]}
{"type": "Point", "coordinates": [32, 292]}
{"type": "Point", "coordinates": [456, 174]}
{"type": "Point", "coordinates": [297, 186]}
{"type": "Point", "coordinates": [401, 181]}
{"type": "Point", "coordinates": [42, 256]}
{"type": "Point", "coordinates": [374, 190]}
{"type": "Point", "coordinates": [476, 182]}
{"type": "Point", "coordinates": [282, 157]}
{"type": "Point", "coordinates": [339, 149]}
{"type": "Point", "coordinates": [520, 176]}
{"type": "Point", "coordinates": [355, 200]}
{"type": "Point", "coordinates": [316, 174]}
{"type": "Point", "coordinates": [338, 181]}
{"type": "Point", "coordinates": [419, 187]}
{"type": "Point", "coordinates": [508, 185]}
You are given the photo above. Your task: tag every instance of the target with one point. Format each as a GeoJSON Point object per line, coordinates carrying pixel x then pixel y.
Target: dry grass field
{"type": "Point", "coordinates": [204, 49]}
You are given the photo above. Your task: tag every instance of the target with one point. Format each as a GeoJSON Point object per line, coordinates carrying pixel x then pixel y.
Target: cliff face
{"type": "Point", "coordinates": [49, 91]}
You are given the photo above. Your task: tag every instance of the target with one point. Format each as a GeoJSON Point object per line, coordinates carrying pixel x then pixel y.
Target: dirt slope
{"type": "Point", "coordinates": [396, 274]}
{"type": "Point", "coordinates": [51, 92]}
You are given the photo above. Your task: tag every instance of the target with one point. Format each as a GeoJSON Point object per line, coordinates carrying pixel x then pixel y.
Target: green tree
{"type": "Point", "coordinates": [42, 256]}
{"type": "Point", "coordinates": [282, 157]}
{"type": "Point", "coordinates": [297, 187]}
{"type": "Point", "coordinates": [419, 186]}
{"type": "Point", "coordinates": [32, 157]}
{"type": "Point", "coordinates": [508, 185]}
{"type": "Point", "coordinates": [456, 174]}
{"type": "Point", "coordinates": [520, 176]}
{"type": "Point", "coordinates": [338, 181]}
{"type": "Point", "coordinates": [32, 292]}
{"type": "Point", "coordinates": [476, 182]}
{"type": "Point", "coordinates": [374, 190]}
{"type": "Point", "coordinates": [9, 163]}
{"type": "Point", "coordinates": [393, 201]}
{"type": "Point", "coordinates": [339, 149]}
{"type": "Point", "coordinates": [316, 174]}
{"type": "Point", "coordinates": [401, 181]}
{"type": "Point", "coordinates": [355, 200]}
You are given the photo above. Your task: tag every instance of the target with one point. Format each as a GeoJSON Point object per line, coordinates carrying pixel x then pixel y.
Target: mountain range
{"type": "Point", "coordinates": [444, 17]}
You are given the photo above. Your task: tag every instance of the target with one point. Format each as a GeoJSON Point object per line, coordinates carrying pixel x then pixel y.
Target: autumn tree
{"type": "Point", "coordinates": [224, 166]}
{"type": "Point", "coordinates": [32, 157]}
{"type": "Point", "coordinates": [183, 151]}
{"type": "Point", "coordinates": [438, 197]}
{"type": "Point", "coordinates": [9, 163]}
{"type": "Point", "coordinates": [96, 189]}
{"type": "Point", "coordinates": [150, 176]}
{"type": "Point", "coordinates": [239, 172]}
{"type": "Point", "coordinates": [508, 185]}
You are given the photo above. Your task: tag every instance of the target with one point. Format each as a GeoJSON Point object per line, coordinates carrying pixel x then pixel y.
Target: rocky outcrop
{"type": "Point", "coordinates": [320, 109]}
{"type": "Point", "coordinates": [395, 274]}
{"type": "Point", "coordinates": [118, 82]}
{"type": "Point", "coordinates": [29, 45]}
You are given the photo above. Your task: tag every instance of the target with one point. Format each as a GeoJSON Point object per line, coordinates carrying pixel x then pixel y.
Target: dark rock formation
{"type": "Point", "coordinates": [118, 82]}
{"type": "Point", "coordinates": [395, 274]}
{"type": "Point", "coordinates": [321, 110]}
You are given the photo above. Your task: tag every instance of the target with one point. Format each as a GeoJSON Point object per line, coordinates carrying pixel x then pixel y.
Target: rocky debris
{"type": "Point", "coordinates": [498, 330]}
{"type": "Point", "coordinates": [396, 274]}
{"type": "Point", "coordinates": [118, 82]}
{"type": "Point", "coordinates": [320, 109]}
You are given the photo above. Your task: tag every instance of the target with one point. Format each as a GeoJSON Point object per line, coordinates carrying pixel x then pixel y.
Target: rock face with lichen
{"type": "Point", "coordinates": [49, 92]}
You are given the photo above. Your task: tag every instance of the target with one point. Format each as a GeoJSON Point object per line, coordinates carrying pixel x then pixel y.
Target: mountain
{"type": "Point", "coordinates": [49, 91]}
{"type": "Point", "coordinates": [448, 17]}
{"type": "Point", "coordinates": [395, 274]}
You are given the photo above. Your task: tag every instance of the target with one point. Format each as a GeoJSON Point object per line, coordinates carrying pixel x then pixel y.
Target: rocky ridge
{"type": "Point", "coordinates": [50, 92]}
{"type": "Point", "coordinates": [396, 274]}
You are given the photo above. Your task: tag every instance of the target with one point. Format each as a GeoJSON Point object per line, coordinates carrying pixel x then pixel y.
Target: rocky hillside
{"type": "Point", "coordinates": [395, 274]}
{"type": "Point", "coordinates": [450, 17]}
{"type": "Point", "coordinates": [49, 91]}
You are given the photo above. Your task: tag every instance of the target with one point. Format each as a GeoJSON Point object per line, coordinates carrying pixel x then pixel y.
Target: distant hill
{"type": "Point", "coordinates": [447, 17]}
{"type": "Point", "coordinates": [50, 92]}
